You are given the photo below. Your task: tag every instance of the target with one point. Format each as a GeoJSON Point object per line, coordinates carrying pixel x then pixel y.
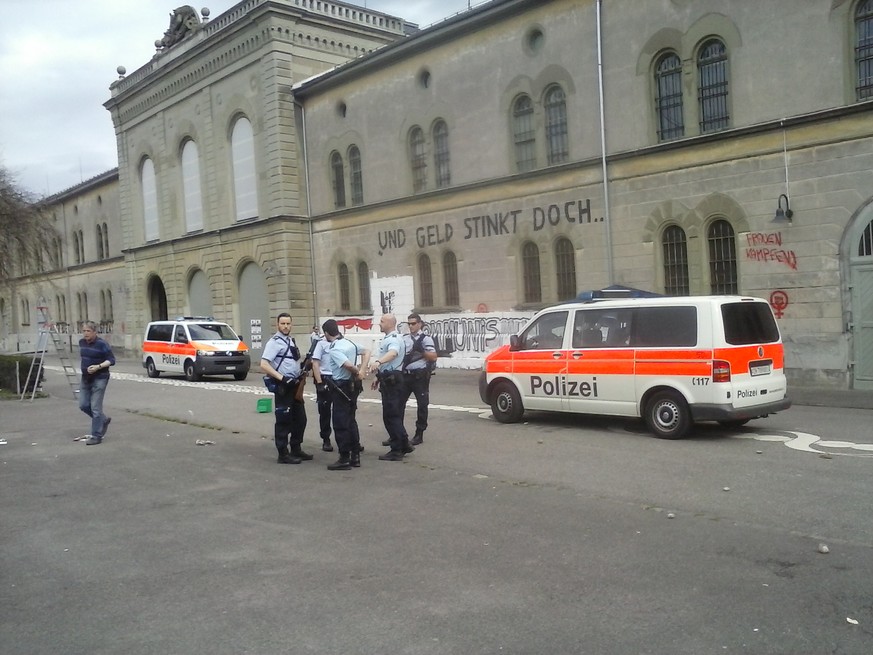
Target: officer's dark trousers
{"type": "Point", "coordinates": [324, 399]}
{"type": "Point", "coordinates": [345, 425]}
{"type": "Point", "coordinates": [290, 420]}
{"type": "Point", "coordinates": [393, 398]}
{"type": "Point", "coordinates": [417, 384]}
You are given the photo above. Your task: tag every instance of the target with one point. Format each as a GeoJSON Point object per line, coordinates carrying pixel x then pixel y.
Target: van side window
{"type": "Point", "coordinates": [661, 327]}
{"type": "Point", "coordinates": [546, 333]}
{"type": "Point", "coordinates": [180, 334]}
{"type": "Point", "coordinates": [160, 332]}
{"type": "Point", "coordinates": [748, 322]}
{"type": "Point", "coordinates": [602, 328]}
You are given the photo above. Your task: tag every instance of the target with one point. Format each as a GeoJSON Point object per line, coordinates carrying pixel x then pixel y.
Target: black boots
{"type": "Point", "coordinates": [355, 458]}
{"type": "Point", "coordinates": [392, 456]}
{"type": "Point", "coordinates": [325, 445]}
{"type": "Point", "coordinates": [297, 451]}
{"type": "Point", "coordinates": [343, 463]}
{"type": "Point", "coordinates": [417, 438]}
{"type": "Point", "coordinates": [286, 458]}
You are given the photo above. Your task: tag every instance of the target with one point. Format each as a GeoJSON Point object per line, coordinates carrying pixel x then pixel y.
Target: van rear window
{"type": "Point", "coordinates": [162, 332]}
{"type": "Point", "coordinates": [660, 327]}
{"type": "Point", "coordinates": [748, 323]}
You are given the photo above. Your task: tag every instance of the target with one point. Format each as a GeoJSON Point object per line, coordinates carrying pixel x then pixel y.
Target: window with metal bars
{"type": "Point", "coordinates": [441, 154]}
{"type": "Point", "coordinates": [565, 266]}
{"type": "Point", "coordinates": [668, 97]}
{"type": "Point", "coordinates": [712, 89]}
{"type": "Point", "coordinates": [524, 134]}
{"type": "Point", "coordinates": [344, 291]}
{"type": "Point", "coordinates": [425, 282]}
{"type": "Point", "coordinates": [356, 176]}
{"type": "Point", "coordinates": [864, 50]}
{"type": "Point", "coordinates": [865, 245]}
{"type": "Point", "coordinates": [530, 266]}
{"type": "Point", "coordinates": [722, 258]}
{"type": "Point", "coordinates": [337, 180]}
{"type": "Point", "coordinates": [417, 159]}
{"type": "Point", "coordinates": [675, 249]}
{"type": "Point", "coordinates": [556, 125]}
{"type": "Point", "coordinates": [364, 285]}
{"type": "Point", "coordinates": [450, 279]}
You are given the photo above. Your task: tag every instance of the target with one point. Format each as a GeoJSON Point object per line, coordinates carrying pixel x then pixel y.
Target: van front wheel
{"type": "Point", "coordinates": [506, 403]}
{"type": "Point", "coordinates": [152, 370]}
{"type": "Point", "coordinates": [667, 415]}
{"type": "Point", "coordinates": [190, 373]}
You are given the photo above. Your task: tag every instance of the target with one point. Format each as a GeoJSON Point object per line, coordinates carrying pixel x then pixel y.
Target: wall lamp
{"type": "Point", "coordinates": [783, 215]}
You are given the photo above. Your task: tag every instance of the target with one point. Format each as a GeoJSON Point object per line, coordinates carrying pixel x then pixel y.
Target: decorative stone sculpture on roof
{"type": "Point", "coordinates": [183, 21]}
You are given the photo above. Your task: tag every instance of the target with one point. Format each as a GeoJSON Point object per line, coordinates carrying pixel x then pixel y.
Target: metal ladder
{"type": "Point", "coordinates": [48, 330]}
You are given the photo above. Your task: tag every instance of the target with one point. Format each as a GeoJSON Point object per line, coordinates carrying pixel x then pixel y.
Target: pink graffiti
{"type": "Point", "coordinates": [786, 257]}
{"type": "Point", "coordinates": [764, 238]}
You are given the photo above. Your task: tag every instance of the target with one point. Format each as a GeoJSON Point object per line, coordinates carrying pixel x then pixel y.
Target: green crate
{"type": "Point", "coordinates": [265, 405]}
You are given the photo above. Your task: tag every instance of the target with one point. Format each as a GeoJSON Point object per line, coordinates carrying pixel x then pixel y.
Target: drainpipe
{"type": "Point", "coordinates": [606, 217]}
{"type": "Point", "coordinates": [309, 214]}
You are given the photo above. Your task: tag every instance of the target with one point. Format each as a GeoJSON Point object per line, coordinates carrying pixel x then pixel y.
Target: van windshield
{"type": "Point", "coordinates": [211, 332]}
{"type": "Point", "coordinates": [748, 323]}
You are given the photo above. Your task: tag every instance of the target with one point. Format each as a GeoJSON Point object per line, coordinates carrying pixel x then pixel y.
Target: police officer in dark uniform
{"type": "Point", "coordinates": [280, 364]}
{"type": "Point", "coordinates": [389, 381]}
{"type": "Point", "coordinates": [322, 373]}
{"type": "Point", "coordinates": [418, 364]}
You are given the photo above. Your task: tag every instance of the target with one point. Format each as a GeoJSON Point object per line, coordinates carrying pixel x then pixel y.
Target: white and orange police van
{"type": "Point", "coordinates": [673, 361]}
{"type": "Point", "coordinates": [194, 346]}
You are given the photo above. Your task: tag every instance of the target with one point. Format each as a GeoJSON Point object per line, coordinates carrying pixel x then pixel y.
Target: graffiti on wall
{"type": "Point", "coordinates": [573, 212]}
{"type": "Point", "coordinates": [471, 334]}
{"type": "Point", "coordinates": [767, 247]}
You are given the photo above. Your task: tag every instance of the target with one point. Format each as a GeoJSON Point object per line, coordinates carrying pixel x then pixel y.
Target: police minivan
{"type": "Point", "coordinates": [673, 361]}
{"type": "Point", "coordinates": [194, 346]}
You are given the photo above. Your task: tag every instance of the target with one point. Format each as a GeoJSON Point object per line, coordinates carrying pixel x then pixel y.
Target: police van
{"type": "Point", "coordinates": [194, 346]}
{"type": "Point", "coordinates": [673, 361]}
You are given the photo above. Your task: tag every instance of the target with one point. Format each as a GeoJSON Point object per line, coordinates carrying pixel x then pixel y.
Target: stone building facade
{"type": "Point", "coordinates": [334, 161]}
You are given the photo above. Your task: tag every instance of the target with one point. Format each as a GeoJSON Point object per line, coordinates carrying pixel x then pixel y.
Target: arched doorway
{"type": "Point", "coordinates": [157, 296]}
{"type": "Point", "coordinates": [859, 253]}
{"type": "Point", "coordinates": [199, 295]}
{"type": "Point", "coordinates": [254, 306]}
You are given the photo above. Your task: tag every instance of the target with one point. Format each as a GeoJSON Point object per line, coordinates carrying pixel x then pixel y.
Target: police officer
{"type": "Point", "coordinates": [418, 364]}
{"type": "Point", "coordinates": [344, 387]}
{"type": "Point", "coordinates": [279, 362]}
{"type": "Point", "coordinates": [322, 374]}
{"type": "Point", "coordinates": [389, 381]}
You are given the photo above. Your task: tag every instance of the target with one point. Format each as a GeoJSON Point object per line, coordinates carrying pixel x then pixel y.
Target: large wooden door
{"type": "Point", "coordinates": [862, 324]}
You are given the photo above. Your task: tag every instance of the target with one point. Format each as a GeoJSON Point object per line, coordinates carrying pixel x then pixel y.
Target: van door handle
{"type": "Point", "coordinates": [577, 355]}
{"type": "Point", "coordinates": [556, 355]}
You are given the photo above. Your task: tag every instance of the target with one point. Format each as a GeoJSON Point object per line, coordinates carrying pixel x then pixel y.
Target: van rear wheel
{"type": "Point", "coordinates": [190, 373]}
{"type": "Point", "coordinates": [506, 403]}
{"type": "Point", "coordinates": [151, 370]}
{"type": "Point", "coordinates": [667, 415]}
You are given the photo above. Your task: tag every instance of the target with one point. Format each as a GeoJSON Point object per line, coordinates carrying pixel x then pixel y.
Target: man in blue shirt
{"type": "Point", "coordinates": [420, 359]}
{"type": "Point", "coordinates": [344, 386]}
{"type": "Point", "coordinates": [279, 362]}
{"type": "Point", "coordinates": [389, 380]}
{"type": "Point", "coordinates": [97, 357]}
{"type": "Point", "coordinates": [323, 374]}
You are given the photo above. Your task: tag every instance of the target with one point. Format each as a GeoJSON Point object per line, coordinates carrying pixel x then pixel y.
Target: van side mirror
{"type": "Point", "coordinates": [240, 337]}
{"type": "Point", "coordinates": [514, 343]}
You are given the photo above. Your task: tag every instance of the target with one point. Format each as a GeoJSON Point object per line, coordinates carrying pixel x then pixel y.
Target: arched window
{"type": "Point", "coordinates": [425, 281]}
{"type": "Point", "coordinates": [337, 180]}
{"type": "Point", "coordinates": [149, 200]}
{"type": "Point", "coordinates": [864, 50]}
{"type": "Point", "coordinates": [364, 286]}
{"type": "Point", "coordinates": [865, 245]}
{"type": "Point", "coordinates": [722, 258]}
{"type": "Point", "coordinates": [356, 176]}
{"type": "Point", "coordinates": [109, 312]}
{"type": "Point", "coordinates": [668, 97]}
{"type": "Point", "coordinates": [524, 134]}
{"type": "Point", "coordinates": [99, 241]}
{"type": "Point", "coordinates": [417, 159]}
{"type": "Point", "coordinates": [530, 266]}
{"type": "Point", "coordinates": [191, 187]}
{"type": "Point", "coordinates": [441, 154]}
{"type": "Point", "coordinates": [80, 239]}
{"type": "Point", "coordinates": [344, 291]}
{"type": "Point", "coordinates": [450, 279]}
{"type": "Point", "coordinates": [675, 249]}
{"type": "Point", "coordinates": [565, 267]}
{"type": "Point", "coordinates": [105, 240]}
{"type": "Point", "coordinates": [713, 86]}
{"type": "Point", "coordinates": [77, 256]}
{"type": "Point", "coordinates": [558, 150]}
{"type": "Point", "coordinates": [245, 187]}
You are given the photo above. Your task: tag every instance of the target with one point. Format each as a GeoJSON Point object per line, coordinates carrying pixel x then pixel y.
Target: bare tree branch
{"type": "Point", "coordinates": [26, 235]}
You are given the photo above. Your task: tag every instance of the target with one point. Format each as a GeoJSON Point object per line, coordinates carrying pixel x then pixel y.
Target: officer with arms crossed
{"type": "Point", "coordinates": [322, 374]}
{"type": "Point", "coordinates": [389, 380]}
{"type": "Point", "coordinates": [282, 375]}
{"type": "Point", "coordinates": [345, 385]}
{"type": "Point", "coordinates": [420, 359]}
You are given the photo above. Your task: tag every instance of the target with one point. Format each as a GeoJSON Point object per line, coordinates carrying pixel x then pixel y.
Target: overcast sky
{"type": "Point", "coordinates": [58, 58]}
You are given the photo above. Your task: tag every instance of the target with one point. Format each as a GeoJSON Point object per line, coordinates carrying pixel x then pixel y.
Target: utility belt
{"type": "Point", "coordinates": [389, 379]}
{"type": "Point", "coordinates": [417, 373]}
{"type": "Point", "coordinates": [274, 386]}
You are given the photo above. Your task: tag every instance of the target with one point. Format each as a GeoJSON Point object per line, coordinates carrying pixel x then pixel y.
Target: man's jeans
{"type": "Point", "coordinates": [91, 402]}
